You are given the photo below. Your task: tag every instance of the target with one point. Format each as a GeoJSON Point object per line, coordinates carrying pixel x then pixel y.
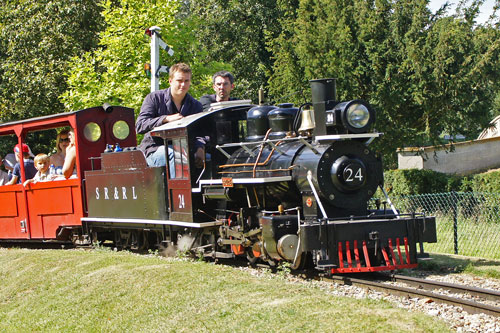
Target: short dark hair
{"type": "Point", "coordinates": [223, 74]}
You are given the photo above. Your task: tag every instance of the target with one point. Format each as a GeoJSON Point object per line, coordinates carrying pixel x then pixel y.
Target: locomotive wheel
{"type": "Point", "coordinates": [118, 240]}
{"type": "Point", "coordinates": [252, 259]}
{"type": "Point", "coordinates": [300, 263]}
{"type": "Point", "coordinates": [253, 253]}
{"type": "Point", "coordinates": [143, 241]}
{"type": "Point", "coordinates": [134, 241]}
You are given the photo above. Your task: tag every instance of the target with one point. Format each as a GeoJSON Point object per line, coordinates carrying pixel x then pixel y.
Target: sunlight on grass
{"type": "Point", "coordinates": [73, 290]}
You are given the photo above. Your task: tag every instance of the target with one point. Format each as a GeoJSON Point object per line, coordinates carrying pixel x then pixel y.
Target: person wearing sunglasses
{"type": "Point", "coordinates": [62, 142]}
{"type": "Point", "coordinates": [68, 170]}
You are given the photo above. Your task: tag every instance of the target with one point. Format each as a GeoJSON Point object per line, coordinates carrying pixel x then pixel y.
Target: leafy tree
{"type": "Point", "coordinates": [114, 73]}
{"type": "Point", "coordinates": [37, 40]}
{"type": "Point", "coordinates": [425, 73]}
{"type": "Point", "coordinates": [236, 32]}
{"type": "Point", "coordinates": [287, 78]}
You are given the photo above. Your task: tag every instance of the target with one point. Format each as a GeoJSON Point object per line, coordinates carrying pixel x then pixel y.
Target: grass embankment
{"type": "Point", "coordinates": [68, 291]}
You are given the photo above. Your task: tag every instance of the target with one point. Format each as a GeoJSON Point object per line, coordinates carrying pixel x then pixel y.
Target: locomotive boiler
{"type": "Point", "coordinates": [279, 184]}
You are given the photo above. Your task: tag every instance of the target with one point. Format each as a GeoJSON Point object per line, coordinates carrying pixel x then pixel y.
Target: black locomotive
{"type": "Point", "coordinates": [270, 190]}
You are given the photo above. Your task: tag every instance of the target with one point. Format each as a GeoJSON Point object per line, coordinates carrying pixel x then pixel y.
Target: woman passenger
{"type": "Point", "coordinates": [62, 141]}
{"type": "Point", "coordinates": [69, 166]}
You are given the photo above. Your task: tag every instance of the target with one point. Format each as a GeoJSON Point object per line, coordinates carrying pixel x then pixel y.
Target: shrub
{"type": "Point", "coordinates": [485, 182]}
{"type": "Point", "coordinates": [416, 181]}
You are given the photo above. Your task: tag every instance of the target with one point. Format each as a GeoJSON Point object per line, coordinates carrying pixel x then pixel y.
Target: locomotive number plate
{"type": "Point", "coordinates": [227, 182]}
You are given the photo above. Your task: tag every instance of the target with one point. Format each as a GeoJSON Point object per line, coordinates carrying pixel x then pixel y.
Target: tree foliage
{"type": "Point", "coordinates": [236, 32]}
{"type": "Point", "coordinates": [37, 40]}
{"type": "Point", "coordinates": [114, 73]}
{"type": "Point", "coordinates": [425, 73]}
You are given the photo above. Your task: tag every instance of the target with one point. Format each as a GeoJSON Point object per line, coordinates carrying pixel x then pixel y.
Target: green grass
{"type": "Point", "coordinates": [477, 215]}
{"type": "Point", "coordinates": [105, 291]}
{"type": "Point", "coordinates": [476, 237]}
{"type": "Point", "coordinates": [456, 264]}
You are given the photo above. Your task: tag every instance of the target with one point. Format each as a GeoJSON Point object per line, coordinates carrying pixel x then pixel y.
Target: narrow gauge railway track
{"type": "Point", "coordinates": [422, 287]}
{"type": "Point", "coordinates": [487, 294]}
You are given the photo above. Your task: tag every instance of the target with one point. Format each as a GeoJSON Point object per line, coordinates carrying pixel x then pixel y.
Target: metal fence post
{"type": "Point", "coordinates": [455, 220]}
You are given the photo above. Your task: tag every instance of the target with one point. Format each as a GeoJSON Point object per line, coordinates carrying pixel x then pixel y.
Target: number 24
{"type": "Point", "coordinates": [182, 203]}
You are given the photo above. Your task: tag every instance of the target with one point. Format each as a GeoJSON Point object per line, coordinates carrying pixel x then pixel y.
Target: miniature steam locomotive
{"type": "Point", "coordinates": [269, 190]}
{"type": "Point", "coordinates": [279, 183]}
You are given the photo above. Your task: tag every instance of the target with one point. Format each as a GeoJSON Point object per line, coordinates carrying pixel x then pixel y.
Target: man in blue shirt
{"type": "Point", "coordinates": [163, 106]}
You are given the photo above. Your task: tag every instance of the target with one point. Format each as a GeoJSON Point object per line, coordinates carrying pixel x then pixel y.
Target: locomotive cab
{"type": "Point", "coordinates": [183, 138]}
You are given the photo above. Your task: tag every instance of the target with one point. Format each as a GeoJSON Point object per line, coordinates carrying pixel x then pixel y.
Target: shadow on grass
{"type": "Point", "coordinates": [446, 264]}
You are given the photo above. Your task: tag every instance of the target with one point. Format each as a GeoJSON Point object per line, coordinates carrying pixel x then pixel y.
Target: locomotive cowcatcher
{"type": "Point", "coordinates": [279, 184]}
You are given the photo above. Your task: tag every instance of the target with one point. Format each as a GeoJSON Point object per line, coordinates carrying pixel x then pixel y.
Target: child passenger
{"type": "Point", "coordinates": [42, 165]}
{"type": "Point", "coordinates": [22, 154]}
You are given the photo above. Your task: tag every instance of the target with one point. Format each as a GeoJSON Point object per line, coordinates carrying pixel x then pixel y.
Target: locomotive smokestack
{"type": "Point", "coordinates": [324, 95]}
{"type": "Point", "coordinates": [323, 90]}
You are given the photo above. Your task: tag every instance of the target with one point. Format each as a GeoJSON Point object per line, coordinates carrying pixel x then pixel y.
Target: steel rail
{"type": "Point", "coordinates": [467, 305]}
{"type": "Point", "coordinates": [488, 294]}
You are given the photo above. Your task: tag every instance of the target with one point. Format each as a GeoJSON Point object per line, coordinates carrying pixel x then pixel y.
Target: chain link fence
{"type": "Point", "coordinates": [467, 223]}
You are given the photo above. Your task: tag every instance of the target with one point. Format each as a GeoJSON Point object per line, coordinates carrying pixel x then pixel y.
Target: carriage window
{"type": "Point", "coordinates": [51, 142]}
{"type": "Point", "coordinates": [121, 130]}
{"type": "Point", "coordinates": [180, 149]}
{"type": "Point", "coordinates": [92, 132]}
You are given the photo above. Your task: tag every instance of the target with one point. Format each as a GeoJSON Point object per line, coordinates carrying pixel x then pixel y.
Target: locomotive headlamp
{"type": "Point", "coordinates": [355, 116]}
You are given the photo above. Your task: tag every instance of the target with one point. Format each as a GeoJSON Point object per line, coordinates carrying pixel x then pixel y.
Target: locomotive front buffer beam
{"type": "Point", "coordinates": [368, 245]}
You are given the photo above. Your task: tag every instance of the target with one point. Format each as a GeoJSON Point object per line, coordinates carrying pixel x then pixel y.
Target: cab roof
{"type": "Point", "coordinates": [191, 121]}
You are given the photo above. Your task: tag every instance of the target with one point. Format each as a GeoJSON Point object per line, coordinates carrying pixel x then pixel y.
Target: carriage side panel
{"type": "Point", "coordinates": [13, 216]}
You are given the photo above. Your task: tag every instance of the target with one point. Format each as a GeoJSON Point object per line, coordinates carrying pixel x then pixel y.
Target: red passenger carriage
{"type": "Point", "coordinates": [53, 210]}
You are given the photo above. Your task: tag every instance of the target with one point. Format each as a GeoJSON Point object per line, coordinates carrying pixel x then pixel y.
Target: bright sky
{"type": "Point", "coordinates": [486, 8]}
